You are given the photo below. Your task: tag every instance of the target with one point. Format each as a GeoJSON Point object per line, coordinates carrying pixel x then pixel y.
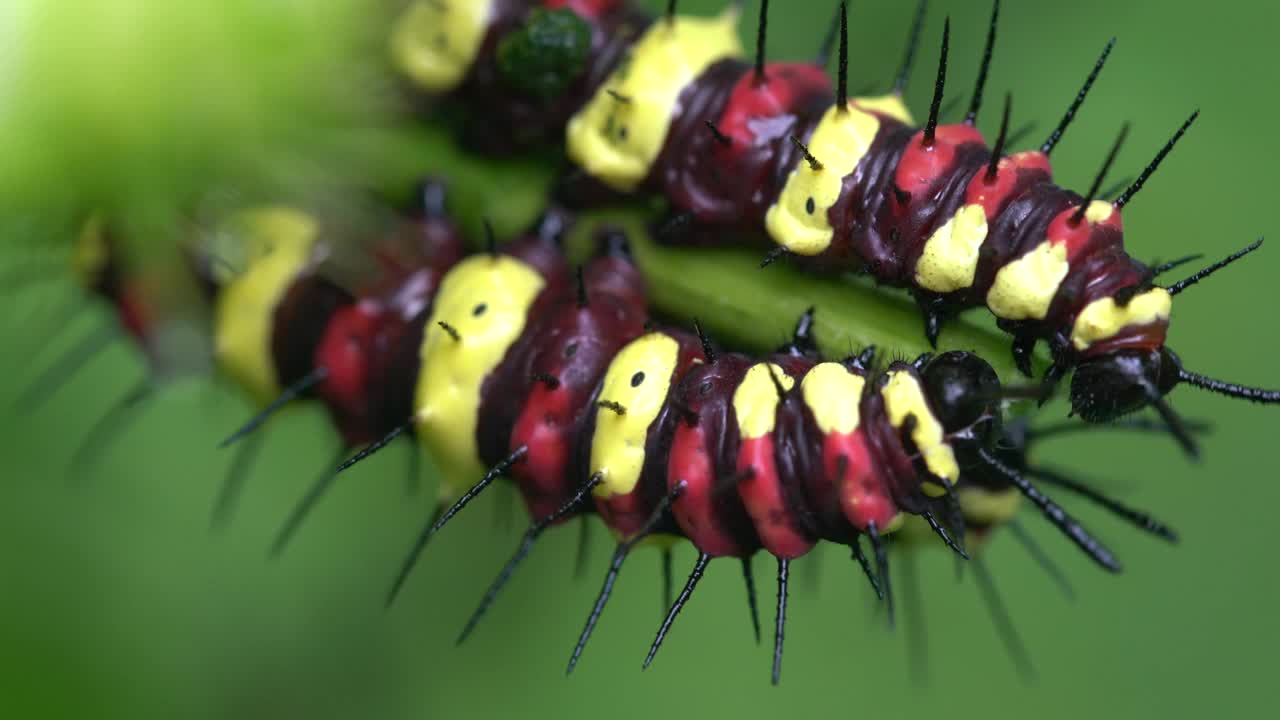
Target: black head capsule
{"type": "Point", "coordinates": [963, 389]}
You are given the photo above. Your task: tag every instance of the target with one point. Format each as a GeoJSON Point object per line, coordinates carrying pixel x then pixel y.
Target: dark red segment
{"type": "Point", "coordinates": [735, 183]}
{"type": "Point", "coordinates": [627, 514]}
{"type": "Point", "coordinates": [556, 369]}
{"type": "Point", "coordinates": [704, 456]}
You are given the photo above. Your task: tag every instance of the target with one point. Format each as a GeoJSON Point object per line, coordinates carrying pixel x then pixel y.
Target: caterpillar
{"type": "Point", "coordinates": [842, 183]}
{"type": "Point", "coordinates": [561, 382]}
{"type": "Point", "coordinates": [506, 363]}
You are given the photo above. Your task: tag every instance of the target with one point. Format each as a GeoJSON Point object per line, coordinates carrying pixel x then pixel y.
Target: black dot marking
{"type": "Point", "coordinates": [810, 206]}
{"type": "Point", "coordinates": [637, 379]}
{"type": "Point", "coordinates": [571, 349]}
{"type": "Point", "coordinates": [622, 133]}
{"type": "Point", "coordinates": [479, 310]}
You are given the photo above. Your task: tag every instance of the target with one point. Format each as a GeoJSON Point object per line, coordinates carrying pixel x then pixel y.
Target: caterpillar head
{"type": "Point", "coordinates": [1109, 386]}
{"type": "Point", "coordinates": [963, 389]}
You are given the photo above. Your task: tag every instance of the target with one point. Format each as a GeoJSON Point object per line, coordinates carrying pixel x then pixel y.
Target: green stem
{"type": "Point", "coordinates": [724, 288]}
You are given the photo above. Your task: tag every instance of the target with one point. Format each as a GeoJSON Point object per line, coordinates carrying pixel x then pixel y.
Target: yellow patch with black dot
{"type": "Point", "coordinates": [617, 137]}
{"type": "Point", "coordinates": [636, 383]}
{"type": "Point", "coordinates": [485, 300]}
{"type": "Point", "coordinates": [798, 221]}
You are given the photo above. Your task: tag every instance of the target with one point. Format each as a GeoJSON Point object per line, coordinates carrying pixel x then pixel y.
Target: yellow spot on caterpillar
{"type": "Point", "coordinates": [1024, 288]}
{"type": "Point", "coordinates": [834, 396]}
{"type": "Point", "coordinates": [1099, 211]}
{"type": "Point", "coordinates": [798, 219]}
{"type": "Point", "coordinates": [638, 379]}
{"type": "Point", "coordinates": [617, 136]}
{"type": "Point", "coordinates": [755, 401]}
{"type": "Point", "coordinates": [1103, 319]}
{"type": "Point", "coordinates": [434, 42]}
{"type": "Point", "coordinates": [950, 257]}
{"type": "Point", "coordinates": [277, 245]}
{"type": "Point", "coordinates": [890, 105]}
{"type": "Point", "coordinates": [486, 298]}
{"type": "Point", "coordinates": [903, 398]}
{"type": "Point", "coordinates": [986, 507]}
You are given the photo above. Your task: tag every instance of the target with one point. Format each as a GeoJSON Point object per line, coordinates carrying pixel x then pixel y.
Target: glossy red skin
{"type": "Point", "coordinates": [511, 380]}
{"type": "Point", "coordinates": [627, 514]}
{"type": "Point", "coordinates": [765, 498]}
{"type": "Point", "coordinates": [890, 204]}
{"type": "Point", "coordinates": [803, 486]}
{"type": "Point", "coordinates": [901, 471]}
{"type": "Point", "coordinates": [1023, 209]}
{"type": "Point", "coordinates": [704, 454]}
{"type": "Point", "coordinates": [864, 497]}
{"type": "Point", "coordinates": [735, 184]}
{"type": "Point", "coordinates": [835, 485]}
{"type": "Point", "coordinates": [550, 420]}
{"type": "Point", "coordinates": [368, 344]}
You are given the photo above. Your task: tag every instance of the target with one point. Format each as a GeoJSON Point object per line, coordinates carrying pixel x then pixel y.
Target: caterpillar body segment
{"type": "Point", "coordinates": [840, 183]}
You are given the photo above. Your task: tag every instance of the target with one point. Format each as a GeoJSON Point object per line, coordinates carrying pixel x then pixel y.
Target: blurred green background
{"type": "Point", "coordinates": [118, 601]}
